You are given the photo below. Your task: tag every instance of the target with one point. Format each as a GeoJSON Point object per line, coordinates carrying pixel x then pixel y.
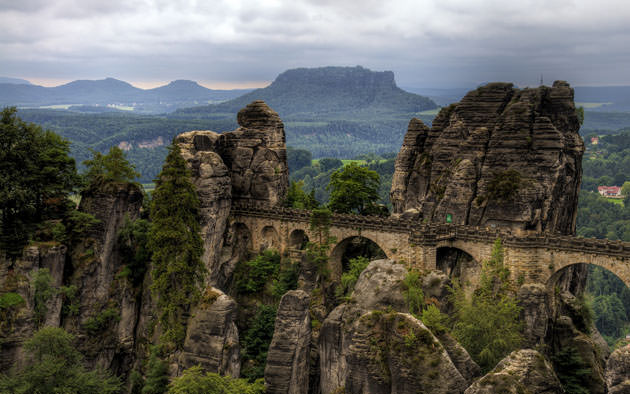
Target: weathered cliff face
{"type": "Point", "coordinates": [212, 339]}
{"type": "Point", "coordinates": [96, 265]}
{"type": "Point", "coordinates": [287, 369]}
{"type": "Point", "coordinates": [501, 156]}
{"type": "Point", "coordinates": [245, 165]}
{"type": "Point", "coordinates": [618, 371]}
{"type": "Point", "coordinates": [364, 349]}
{"type": "Point", "coordinates": [21, 321]}
{"type": "Point", "coordinates": [522, 371]}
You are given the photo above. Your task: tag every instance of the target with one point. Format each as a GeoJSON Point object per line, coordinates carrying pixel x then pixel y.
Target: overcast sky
{"type": "Point", "coordinates": [246, 43]}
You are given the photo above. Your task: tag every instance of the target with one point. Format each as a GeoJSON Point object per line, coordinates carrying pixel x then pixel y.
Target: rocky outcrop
{"type": "Point", "coordinates": [387, 277]}
{"type": "Point", "coordinates": [111, 209]}
{"type": "Point", "coordinates": [618, 371]}
{"type": "Point", "coordinates": [533, 300]}
{"type": "Point", "coordinates": [566, 337]}
{"type": "Point", "coordinates": [522, 371]}
{"type": "Point", "coordinates": [501, 156]}
{"type": "Point", "coordinates": [245, 165]}
{"type": "Point", "coordinates": [212, 180]}
{"type": "Point", "coordinates": [107, 304]}
{"type": "Point", "coordinates": [287, 368]}
{"type": "Point", "coordinates": [379, 352]}
{"type": "Point", "coordinates": [436, 287]}
{"type": "Point", "coordinates": [370, 345]}
{"type": "Point", "coordinates": [19, 321]}
{"type": "Point", "coordinates": [466, 366]}
{"type": "Point", "coordinates": [212, 339]}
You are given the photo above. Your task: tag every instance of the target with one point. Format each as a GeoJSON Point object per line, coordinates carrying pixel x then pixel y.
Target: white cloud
{"type": "Point", "coordinates": [425, 42]}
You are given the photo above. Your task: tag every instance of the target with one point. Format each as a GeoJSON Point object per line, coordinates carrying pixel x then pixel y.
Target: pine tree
{"type": "Point", "coordinates": [157, 375]}
{"type": "Point", "coordinates": [487, 324]}
{"type": "Point", "coordinates": [177, 246]}
{"type": "Point", "coordinates": [103, 171]}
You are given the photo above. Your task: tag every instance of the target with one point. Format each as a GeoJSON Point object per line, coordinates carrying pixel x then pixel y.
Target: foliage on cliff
{"type": "Point", "coordinates": [104, 171]}
{"type": "Point", "coordinates": [133, 240]}
{"type": "Point", "coordinates": [487, 324]}
{"type": "Point", "coordinates": [194, 381]}
{"type": "Point", "coordinates": [54, 365]}
{"type": "Point", "coordinates": [177, 246]}
{"type": "Point", "coordinates": [354, 189]}
{"type": "Point", "coordinates": [255, 342]}
{"type": "Point", "coordinates": [37, 174]}
{"type": "Point", "coordinates": [298, 198]}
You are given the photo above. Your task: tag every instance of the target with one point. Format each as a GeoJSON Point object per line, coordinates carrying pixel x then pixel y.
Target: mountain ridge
{"type": "Point", "coordinates": [113, 91]}
{"type": "Point", "coordinates": [326, 91]}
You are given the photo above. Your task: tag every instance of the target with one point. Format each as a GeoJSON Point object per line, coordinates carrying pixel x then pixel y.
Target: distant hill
{"type": "Point", "coordinates": [327, 93]}
{"type": "Point", "coordinates": [442, 97]}
{"type": "Point", "coordinates": [603, 98]}
{"type": "Point", "coordinates": [16, 81]}
{"type": "Point", "coordinates": [111, 91]}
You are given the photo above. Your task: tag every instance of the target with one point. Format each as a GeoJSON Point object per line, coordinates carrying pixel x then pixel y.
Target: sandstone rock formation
{"type": "Point", "coordinates": [566, 336]}
{"type": "Point", "coordinates": [501, 156]}
{"type": "Point", "coordinates": [246, 165]}
{"type": "Point", "coordinates": [287, 369]}
{"type": "Point", "coordinates": [534, 303]}
{"type": "Point", "coordinates": [96, 263]}
{"type": "Point", "coordinates": [20, 322]}
{"type": "Point", "coordinates": [466, 366]}
{"type": "Point", "coordinates": [379, 352]}
{"type": "Point", "coordinates": [387, 277]}
{"type": "Point", "coordinates": [618, 371]}
{"type": "Point", "coordinates": [522, 371]}
{"type": "Point", "coordinates": [212, 339]}
{"type": "Point", "coordinates": [364, 349]}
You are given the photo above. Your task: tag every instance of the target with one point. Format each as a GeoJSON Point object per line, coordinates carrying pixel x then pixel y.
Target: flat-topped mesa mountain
{"type": "Point", "coordinates": [326, 91]}
{"type": "Point", "coordinates": [500, 157]}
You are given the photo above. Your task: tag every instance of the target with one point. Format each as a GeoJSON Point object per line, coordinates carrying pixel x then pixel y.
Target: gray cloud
{"type": "Point", "coordinates": [426, 43]}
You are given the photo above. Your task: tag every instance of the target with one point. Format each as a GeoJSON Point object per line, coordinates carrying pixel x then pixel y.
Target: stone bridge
{"type": "Point", "coordinates": [531, 257]}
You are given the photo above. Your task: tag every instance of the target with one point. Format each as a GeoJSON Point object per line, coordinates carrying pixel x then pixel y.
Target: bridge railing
{"type": "Point", "coordinates": [345, 220]}
{"type": "Point", "coordinates": [432, 234]}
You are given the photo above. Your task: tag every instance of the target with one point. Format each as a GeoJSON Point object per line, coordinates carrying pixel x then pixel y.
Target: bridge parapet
{"type": "Point", "coordinates": [344, 220]}
{"type": "Point", "coordinates": [432, 234]}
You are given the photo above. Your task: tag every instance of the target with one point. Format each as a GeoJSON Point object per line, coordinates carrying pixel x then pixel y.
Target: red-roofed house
{"type": "Point", "coordinates": [609, 191]}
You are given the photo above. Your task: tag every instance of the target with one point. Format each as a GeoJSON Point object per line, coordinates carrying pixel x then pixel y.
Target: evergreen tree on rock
{"type": "Point", "coordinates": [177, 247]}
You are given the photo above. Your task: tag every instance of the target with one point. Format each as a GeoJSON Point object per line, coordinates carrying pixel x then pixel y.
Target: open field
{"type": "Point", "coordinates": [618, 201]}
{"type": "Point", "coordinates": [591, 105]}
{"type": "Point", "coordinates": [432, 112]}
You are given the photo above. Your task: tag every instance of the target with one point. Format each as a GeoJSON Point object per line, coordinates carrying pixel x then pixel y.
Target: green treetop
{"type": "Point", "coordinates": [298, 198]}
{"type": "Point", "coordinates": [353, 189]}
{"type": "Point", "coordinates": [488, 323]}
{"type": "Point", "coordinates": [54, 365]}
{"type": "Point", "coordinates": [36, 176]}
{"type": "Point", "coordinates": [176, 244]}
{"type": "Point", "coordinates": [106, 170]}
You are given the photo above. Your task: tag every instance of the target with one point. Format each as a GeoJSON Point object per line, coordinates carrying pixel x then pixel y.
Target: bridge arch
{"type": "Point", "coordinates": [609, 297]}
{"type": "Point", "coordinates": [298, 239]}
{"type": "Point", "coordinates": [270, 238]}
{"type": "Point", "coordinates": [458, 264]}
{"type": "Point", "coordinates": [470, 248]}
{"type": "Point", "coordinates": [618, 266]}
{"type": "Point", "coordinates": [350, 247]}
